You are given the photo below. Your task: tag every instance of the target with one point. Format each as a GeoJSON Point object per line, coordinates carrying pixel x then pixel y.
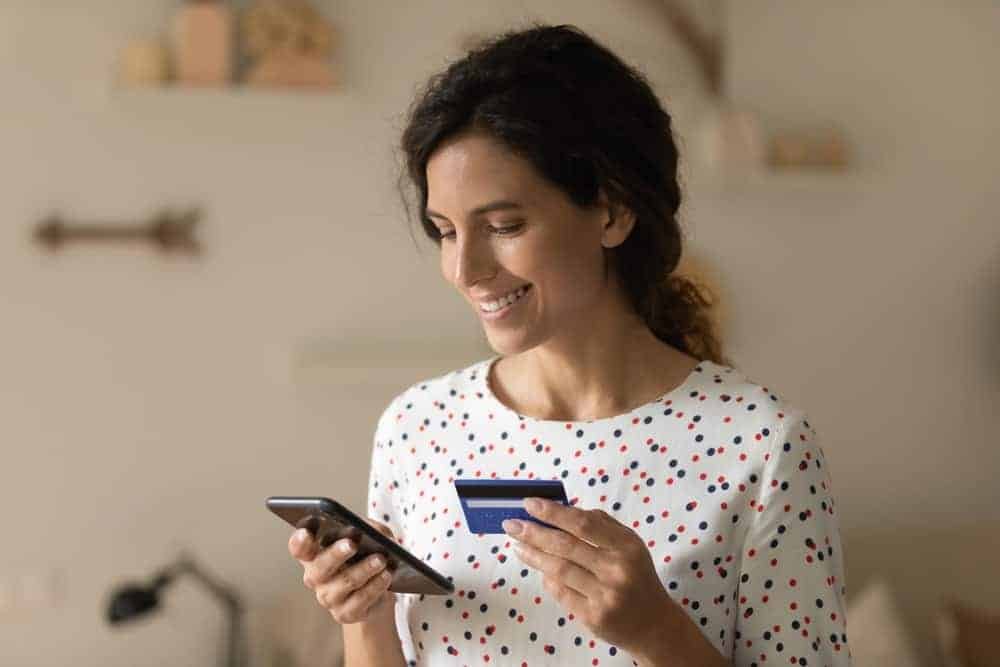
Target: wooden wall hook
{"type": "Point", "coordinates": [166, 230]}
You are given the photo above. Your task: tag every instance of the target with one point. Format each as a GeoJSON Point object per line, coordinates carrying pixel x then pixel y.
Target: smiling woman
{"type": "Point", "coordinates": [701, 527]}
{"type": "Point", "coordinates": [524, 123]}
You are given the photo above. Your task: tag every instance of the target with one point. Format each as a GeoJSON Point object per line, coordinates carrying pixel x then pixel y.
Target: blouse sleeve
{"type": "Point", "coordinates": [792, 582]}
{"type": "Point", "coordinates": [386, 475]}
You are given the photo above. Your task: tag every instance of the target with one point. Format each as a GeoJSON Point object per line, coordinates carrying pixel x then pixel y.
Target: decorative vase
{"type": "Point", "coordinates": [144, 62]}
{"type": "Point", "coordinates": [202, 43]}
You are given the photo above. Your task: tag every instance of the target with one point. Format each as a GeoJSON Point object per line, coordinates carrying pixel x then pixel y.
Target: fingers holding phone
{"type": "Point", "coordinates": [328, 520]}
{"type": "Point", "coordinates": [351, 592]}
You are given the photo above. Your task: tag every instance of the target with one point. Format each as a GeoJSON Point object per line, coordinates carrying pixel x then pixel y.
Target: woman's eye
{"type": "Point", "coordinates": [503, 231]}
{"type": "Point", "coordinates": [500, 231]}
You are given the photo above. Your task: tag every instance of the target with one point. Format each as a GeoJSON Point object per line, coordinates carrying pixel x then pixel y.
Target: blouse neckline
{"type": "Point", "coordinates": [486, 368]}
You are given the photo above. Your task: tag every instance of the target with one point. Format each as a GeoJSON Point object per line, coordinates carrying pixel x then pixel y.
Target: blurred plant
{"type": "Point", "coordinates": [285, 24]}
{"type": "Point", "coordinates": [289, 42]}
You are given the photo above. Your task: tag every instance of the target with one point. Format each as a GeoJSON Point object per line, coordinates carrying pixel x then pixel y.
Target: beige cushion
{"type": "Point", "coordinates": [876, 633]}
{"type": "Point", "coordinates": [968, 635]}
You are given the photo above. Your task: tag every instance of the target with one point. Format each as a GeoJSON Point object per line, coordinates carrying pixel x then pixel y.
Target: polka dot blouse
{"type": "Point", "coordinates": [724, 481]}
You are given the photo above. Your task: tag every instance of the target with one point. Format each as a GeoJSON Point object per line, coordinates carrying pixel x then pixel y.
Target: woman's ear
{"type": "Point", "coordinates": [619, 224]}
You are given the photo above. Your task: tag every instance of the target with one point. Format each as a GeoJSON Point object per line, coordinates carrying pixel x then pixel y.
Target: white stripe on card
{"type": "Point", "coordinates": [495, 502]}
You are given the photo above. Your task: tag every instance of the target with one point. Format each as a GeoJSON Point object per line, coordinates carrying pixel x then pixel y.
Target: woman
{"type": "Point", "coordinates": [702, 528]}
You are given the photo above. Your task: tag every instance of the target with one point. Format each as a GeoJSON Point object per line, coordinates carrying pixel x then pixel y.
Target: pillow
{"type": "Point", "coordinates": [876, 633]}
{"type": "Point", "coordinates": [968, 636]}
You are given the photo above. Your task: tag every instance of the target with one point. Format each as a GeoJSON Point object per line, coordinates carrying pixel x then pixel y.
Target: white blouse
{"type": "Point", "coordinates": [725, 482]}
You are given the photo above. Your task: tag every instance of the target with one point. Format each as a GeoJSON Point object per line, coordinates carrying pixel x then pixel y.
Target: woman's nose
{"type": "Point", "coordinates": [473, 262]}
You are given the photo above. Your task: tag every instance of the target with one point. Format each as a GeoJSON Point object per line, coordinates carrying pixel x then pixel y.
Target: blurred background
{"type": "Point", "coordinates": [841, 196]}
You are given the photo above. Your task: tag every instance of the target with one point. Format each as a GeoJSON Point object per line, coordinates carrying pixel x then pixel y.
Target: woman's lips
{"type": "Point", "coordinates": [504, 311]}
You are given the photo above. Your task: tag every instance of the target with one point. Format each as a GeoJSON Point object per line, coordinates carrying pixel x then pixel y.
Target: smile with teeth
{"type": "Point", "coordinates": [503, 301]}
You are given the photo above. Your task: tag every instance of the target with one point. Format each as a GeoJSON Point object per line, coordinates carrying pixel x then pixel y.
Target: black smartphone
{"type": "Point", "coordinates": [328, 521]}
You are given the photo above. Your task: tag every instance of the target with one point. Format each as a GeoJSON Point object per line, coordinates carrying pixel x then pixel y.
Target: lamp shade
{"type": "Point", "coordinates": [131, 601]}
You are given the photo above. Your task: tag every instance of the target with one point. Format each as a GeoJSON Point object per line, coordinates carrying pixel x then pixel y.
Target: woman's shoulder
{"type": "Point", "coordinates": [745, 397]}
{"type": "Point", "coordinates": [772, 434]}
{"type": "Point", "coordinates": [448, 385]}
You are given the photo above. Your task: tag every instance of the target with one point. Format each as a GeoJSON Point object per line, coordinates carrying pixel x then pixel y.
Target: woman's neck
{"type": "Point", "coordinates": [590, 382]}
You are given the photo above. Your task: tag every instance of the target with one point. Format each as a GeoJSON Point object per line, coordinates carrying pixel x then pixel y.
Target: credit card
{"type": "Point", "coordinates": [487, 503]}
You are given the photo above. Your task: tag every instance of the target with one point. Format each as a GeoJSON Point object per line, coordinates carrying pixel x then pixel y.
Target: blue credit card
{"type": "Point", "coordinates": [488, 502]}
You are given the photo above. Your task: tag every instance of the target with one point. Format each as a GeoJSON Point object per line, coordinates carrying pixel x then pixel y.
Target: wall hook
{"type": "Point", "coordinates": [170, 232]}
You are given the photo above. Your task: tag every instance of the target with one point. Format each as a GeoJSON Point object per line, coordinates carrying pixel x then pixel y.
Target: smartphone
{"type": "Point", "coordinates": [328, 521]}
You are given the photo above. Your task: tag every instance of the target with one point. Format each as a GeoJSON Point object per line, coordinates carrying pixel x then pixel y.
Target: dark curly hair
{"type": "Point", "coordinates": [586, 120]}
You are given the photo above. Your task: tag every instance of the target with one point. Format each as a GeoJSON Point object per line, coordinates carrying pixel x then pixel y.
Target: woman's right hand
{"type": "Point", "coordinates": [352, 593]}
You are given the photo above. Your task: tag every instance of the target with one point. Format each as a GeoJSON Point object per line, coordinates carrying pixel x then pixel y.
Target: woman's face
{"type": "Point", "coordinates": [505, 229]}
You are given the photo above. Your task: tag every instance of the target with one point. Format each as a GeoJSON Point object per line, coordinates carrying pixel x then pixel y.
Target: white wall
{"type": "Point", "coordinates": [150, 403]}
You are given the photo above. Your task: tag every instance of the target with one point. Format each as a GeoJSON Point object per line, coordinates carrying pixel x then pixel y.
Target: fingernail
{"type": "Point", "coordinates": [345, 547]}
{"type": "Point", "coordinates": [532, 504]}
{"type": "Point", "coordinates": [512, 526]}
{"type": "Point", "coordinates": [300, 536]}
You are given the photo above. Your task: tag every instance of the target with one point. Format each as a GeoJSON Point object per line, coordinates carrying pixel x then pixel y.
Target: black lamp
{"type": "Point", "coordinates": [133, 600]}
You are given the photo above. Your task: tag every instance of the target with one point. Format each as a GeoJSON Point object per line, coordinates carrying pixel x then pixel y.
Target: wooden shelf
{"type": "Point", "coordinates": [287, 110]}
{"type": "Point", "coordinates": [768, 181]}
{"type": "Point", "coordinates": [233, 91]}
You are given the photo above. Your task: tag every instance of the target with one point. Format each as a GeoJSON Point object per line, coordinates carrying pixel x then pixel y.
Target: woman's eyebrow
{"type": "Point", "coordinates": [500, 205]}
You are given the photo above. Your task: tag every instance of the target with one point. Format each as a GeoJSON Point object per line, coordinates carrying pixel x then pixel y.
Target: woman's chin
{"type": "Point", "coordinates": [507, 343]}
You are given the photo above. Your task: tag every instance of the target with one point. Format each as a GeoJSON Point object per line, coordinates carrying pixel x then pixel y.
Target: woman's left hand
{"type": "Point", "coordinates": [601, 571]}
